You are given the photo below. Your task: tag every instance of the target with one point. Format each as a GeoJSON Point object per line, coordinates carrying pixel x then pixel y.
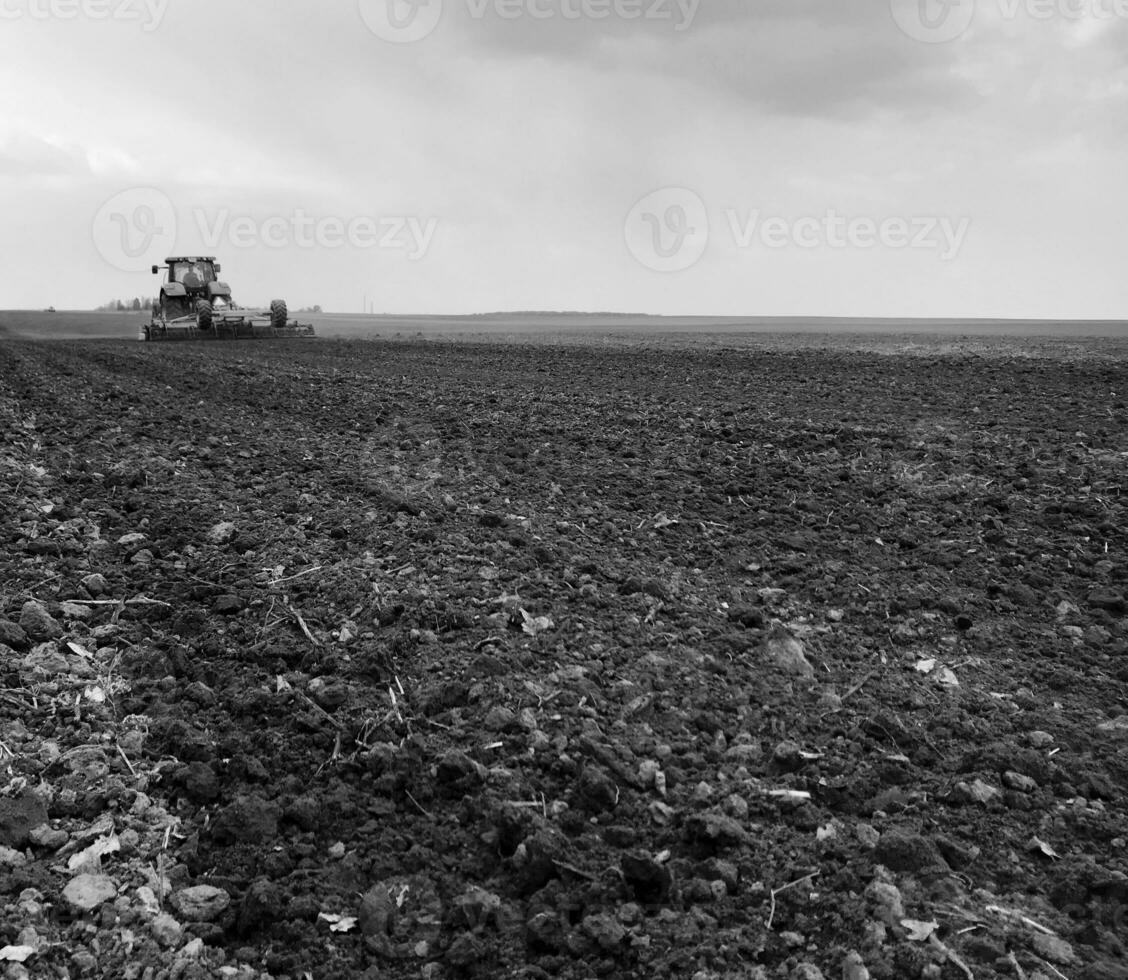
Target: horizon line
{"type": "Point", "coordinates": [895, 318]}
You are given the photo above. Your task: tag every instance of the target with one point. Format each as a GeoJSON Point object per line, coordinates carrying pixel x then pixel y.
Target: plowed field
{"type": "Point", "coordinates": [425, 659]}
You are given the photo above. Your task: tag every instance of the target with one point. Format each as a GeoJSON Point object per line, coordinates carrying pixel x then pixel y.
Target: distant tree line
{"type": "Point", "coordinates": [137, 304]}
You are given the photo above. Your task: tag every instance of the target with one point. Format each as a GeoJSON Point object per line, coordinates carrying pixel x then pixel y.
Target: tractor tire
{"type": "Point", "coordinates": [203, 314]}
{"type": "Point", "coordinates": [279, 314]}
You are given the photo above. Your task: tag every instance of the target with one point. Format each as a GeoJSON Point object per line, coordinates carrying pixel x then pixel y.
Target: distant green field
{"type": "Point", "coordinates": [72, 325]}
{"type": "Point", "coordinates": [592, 324]}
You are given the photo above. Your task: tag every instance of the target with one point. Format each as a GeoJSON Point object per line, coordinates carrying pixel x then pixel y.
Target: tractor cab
{"type": "Point", "coordinates": [183, 271]}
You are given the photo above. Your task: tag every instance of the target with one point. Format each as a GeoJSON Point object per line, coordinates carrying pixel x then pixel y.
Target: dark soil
{"type": "Point", "coordinates": [443, 660]}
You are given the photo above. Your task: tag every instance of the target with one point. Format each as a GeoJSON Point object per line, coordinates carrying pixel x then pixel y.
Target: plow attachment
{"type": "Point", "coordinates": [231, 324]}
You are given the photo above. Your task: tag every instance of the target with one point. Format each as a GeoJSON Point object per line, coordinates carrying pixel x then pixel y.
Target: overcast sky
{"type": "Point", "coordinates": [774, 157]}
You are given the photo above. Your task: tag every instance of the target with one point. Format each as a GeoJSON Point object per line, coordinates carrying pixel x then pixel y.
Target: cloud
{"type": "Point", "coordinates": [530, 138]}
{"type": "Point", "coordinates": [799, 57]}
{"type": "Point", "coordinates": [24, 156]}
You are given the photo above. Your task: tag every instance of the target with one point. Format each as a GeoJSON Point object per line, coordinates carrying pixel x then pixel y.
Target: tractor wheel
{"type": "Point", "coordinates": [279, 314]}
{"type": "Point", "coordinates": [203, 314]}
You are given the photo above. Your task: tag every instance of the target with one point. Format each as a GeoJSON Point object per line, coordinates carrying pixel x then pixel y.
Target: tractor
{"type": "Point", "coordinates": [194, 304]}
